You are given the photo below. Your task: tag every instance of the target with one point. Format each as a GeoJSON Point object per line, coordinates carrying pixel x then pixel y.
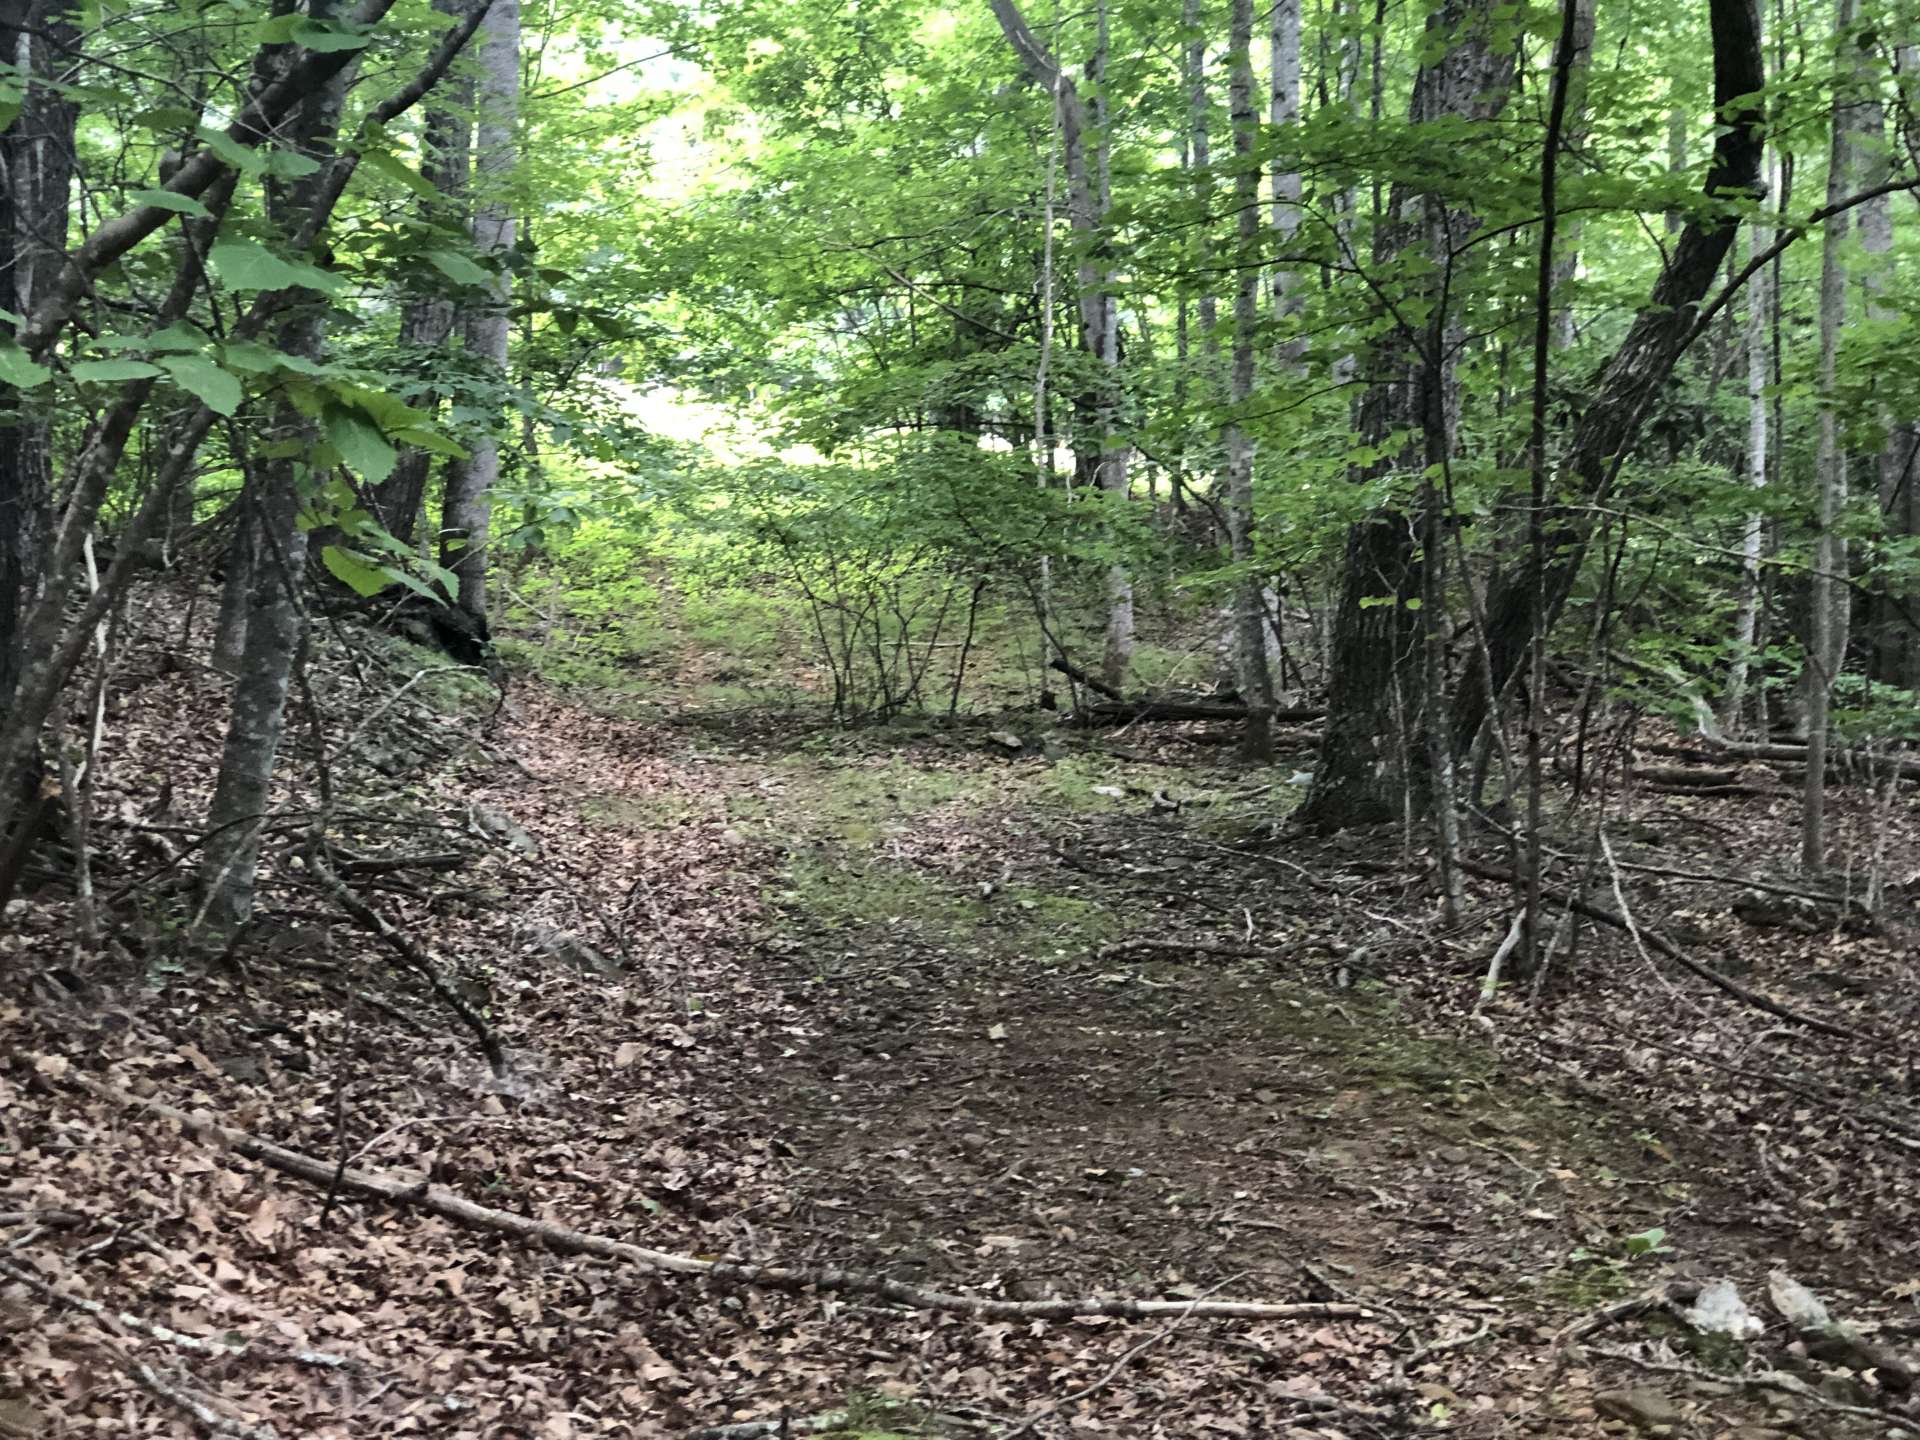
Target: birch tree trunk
{"type": "Point", "coordinates": [468, 510]}
{"type": "Point", "coordinates": [1758, 343]}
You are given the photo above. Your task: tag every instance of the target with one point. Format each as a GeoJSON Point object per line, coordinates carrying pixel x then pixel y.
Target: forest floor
{"type": "Point", "coordinates": [1077, 1017]}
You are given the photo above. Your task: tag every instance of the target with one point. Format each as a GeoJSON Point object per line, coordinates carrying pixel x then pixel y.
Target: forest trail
{"type": "Point", "coordinates": [1053, 1020]}
{"type": "Point", "coordinates": [995, 1063]}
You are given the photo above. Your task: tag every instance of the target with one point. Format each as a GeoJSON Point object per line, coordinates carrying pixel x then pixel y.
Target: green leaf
{"type": "Point", "coordinates": [248, 265]}
{"type": "Point", "coordinates": [394, 168]}
{"type": "Point", "coordinates": [458, 268]}
{"type": "Point", "coordinates": [168, 200]}
{"type": "Point", "coordinates": [243, 158]}
{"type": "Point", "coordinates": [354, 570]}
{"type": "Point", "coordinates": [17, 370]}
{"type": "Point", "coordinates": [199, 376]}
{"type": "Point", "coordinates": [110, 370]}
{"type": "Point", "coordinates": [245, 265]}
{"type": "Point", "coordinates": [177, 336]}
{"type": "Point", "coordinates": [327, 39]}
{"type": "Point", "coordinates": [361, 445]}
{"type": "Point", "coordinates": [9, 112]}
{"type": "Point", "coordinates": [290, 164]}
{"type": "Point", "coordinates": [427, 439]}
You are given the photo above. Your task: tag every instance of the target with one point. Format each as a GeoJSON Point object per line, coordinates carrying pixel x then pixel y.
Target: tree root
{"type": "Point", "coordinates": [437, 1200]}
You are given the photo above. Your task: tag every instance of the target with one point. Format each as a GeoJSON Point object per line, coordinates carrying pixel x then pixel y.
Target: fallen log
{"type": "Point", "coordinates": [1074, 673]}
{"type": "Point", "coordinates": [1841, 761]}
{"type": "Point", "coordinates": [564, 1240]}
{"type": "Point", "coordinates": [1120, 712]}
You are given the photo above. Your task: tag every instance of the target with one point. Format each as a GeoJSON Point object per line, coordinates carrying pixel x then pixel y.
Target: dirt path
{"type": "Point", "coordinates": [984, 1085]}
{"type": "Point", "coordinates": [886, 1000]}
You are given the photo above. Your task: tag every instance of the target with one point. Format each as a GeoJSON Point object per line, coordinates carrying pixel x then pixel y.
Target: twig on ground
{"type": "Point", "coordinates": [1767, 1380]}
{"type": "Point", "coordinates": [197, 1344]}
{"type": "Point", "coordinates": [562, 1239]}
{"type": "Point", "coordinates": [204, 1414]}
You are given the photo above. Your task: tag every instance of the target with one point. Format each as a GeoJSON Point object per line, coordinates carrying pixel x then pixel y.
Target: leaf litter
{"type": "Point", "coordinates": [772, 996]}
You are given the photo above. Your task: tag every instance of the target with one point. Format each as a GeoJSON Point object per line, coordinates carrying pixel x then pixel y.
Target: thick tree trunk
{"type": "Point", "coordinates": [464, 531]}
{"type": "Point", "coordinates": [276, 621]}
{"type": "Point", "coordinates": [1639, 369]}
{"type": "Point", "coordinates": [1364, 770]}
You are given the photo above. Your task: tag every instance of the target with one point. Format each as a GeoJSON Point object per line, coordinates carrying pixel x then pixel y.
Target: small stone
{"type": "Point", "coordinates": [1638, 1406]}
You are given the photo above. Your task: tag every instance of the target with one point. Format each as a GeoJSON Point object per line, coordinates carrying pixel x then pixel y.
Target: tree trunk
{"type": "Point", "coordinates": [1639, 368]}
{"type": "Point", "coordinates": [1249, 604]}
{"type": "Point", "coordinates": [1753, 536]}
{"type": "Point", "coordinates": [1826, 642]}
{"type": "Point", "coordinates": [1089, 196]}
{"type": "Point", "coordinates": [276, 623]}
{"type": "Point", "coordinates": [37, 153]}
{"type": "Point", "coordinates": [1363, 773]}
{"type": "Point", "coordinates": [470, 482]}
{"type": "Point", "coordinates": [426, 321]}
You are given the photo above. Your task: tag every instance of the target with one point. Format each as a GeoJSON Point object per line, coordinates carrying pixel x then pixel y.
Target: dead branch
{"type": "Point", "coordinates": [411, 955]}
{"type": "Point", "coordinates": [1117, 712]}
{"type": "Point", "coordinates": [204, 1414]}
{"type": "Point", "coordinates": [197, 1344]}
{"type": "Point", "coordinates": [1074, 673]}
{"type": "Point", "coordinates": [1182, 947]}
{"type": "Point", "coordinates": [1659, 943]}
{"type": "Point", "coordinates": [1767, 1380]}
{"type": "Point", "coordinates": [562, 1239]}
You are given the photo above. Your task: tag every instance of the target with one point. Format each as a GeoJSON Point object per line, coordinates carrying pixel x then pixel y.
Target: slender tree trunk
{"type": "Point", "coordinates": [1567, 262]}
{"type": "Point", "coordinates": [1089, 181]}
{"type": "Point", "coordinates": [1826, 643]}
{"type": "Point", "coordinates": [276, 623]}
{"type": "Point", "coordinates": [470, 482]}
{"type": "Point", "coordinates": [36, 151]}
{"type": "Point", "coordinates": [1753, 536]}
{"type": "Point", "coordinates": [1609, 424]}
{"type": "Point", "coordinates": [426, 321]}
{"type": "Point", "coordinates": [1364, 774]}
{"type": "Point", "coordinates": [1249, 606]}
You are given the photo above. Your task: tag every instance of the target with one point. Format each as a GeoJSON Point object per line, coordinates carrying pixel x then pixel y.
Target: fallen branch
{"type": "Point", "coordinates": [1183, 947]}
{"type": "Point", "coordinates": [411, 955]}
{"type": "Point", "coordinates": [204, 1414]}
{"type": "Point", "coordinates": [1767, 1380]}
{"type": "Point", "coordinates": [562, 1239]}
{"type": "Point", "coordinates": [197, 1344]}
{"type": "Point", "coordinates": [1659, 943]}
{"type": "Point", "coordinates": [1116, 712]}
{"type": "Point", "coordinates": [1080, 677]}
{"type": "Point", "coordinates": [1867, 761]}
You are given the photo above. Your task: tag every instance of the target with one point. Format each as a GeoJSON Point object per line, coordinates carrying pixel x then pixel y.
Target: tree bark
{"type": "Point", "coordinates": [1826, 640]}
{"type": "Point", "coordinates": [1758, 341]}
{"type": "Point", "coordinates": [36, 151]}
{"type": "Point", "coordinates": [1364, 771]}
{"type": "Point", "coordinates": [426, 321]}
{"type": "Point", "coordinates": [276, 622]}
{"type": "Point", "coordinates": [1089, 198]}
{"type": "Point", "coordinates": [1249, 605]}
{"type": "Point", "coordinates": [464, 530]}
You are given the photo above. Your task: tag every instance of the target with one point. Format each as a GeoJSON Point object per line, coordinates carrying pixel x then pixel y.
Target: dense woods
{"type": "Point", "coordinates": [598, 599]}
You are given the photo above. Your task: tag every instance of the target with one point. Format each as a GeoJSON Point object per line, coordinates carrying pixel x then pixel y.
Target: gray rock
{"type": "Point", "coordinates": [1639, 1406]}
